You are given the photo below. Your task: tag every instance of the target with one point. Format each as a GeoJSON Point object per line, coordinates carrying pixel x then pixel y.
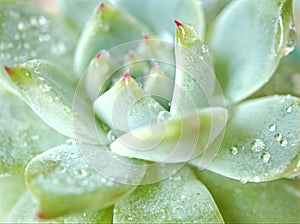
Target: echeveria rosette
{"type": "Point", "coordinates": [254, 149]}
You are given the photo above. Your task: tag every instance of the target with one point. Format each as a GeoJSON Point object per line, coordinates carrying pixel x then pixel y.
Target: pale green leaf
{"type": "Point", "coordinates": [26, 210]}
{"type": "Point", "coordinates": [64, 183]}
{"type": "Point", "coordinates": [195, 79]}
{"type": "Point", "coordinates": [158, 15]}
{"type": "Point", "coordinates": [70, 9]}
{"type": "Point", "coordinates": [179, 199]}
{"type": "Point", "coordinates": [271, 202]}
{"type": "Point", "coordinates": [48, 90]}
{"type": "Point", "coordinates": [22, 135]}
{"type": "Point", "coordinates": [248, 41]}
{"type": "Point", "coordinates": [28, 31]}
{"type": "Point", "coordinates": [172, 139]}
{"type": "Point", "coordinates": [11, 188]}
{"type": "Point", "coordinates": [286, 80]}
{"type": "Point", "coordinates": [126, 105]}
{"type": "Point", "coordinates": [262, 140]}
{"type": "Point", "coordinates": [107, 28]}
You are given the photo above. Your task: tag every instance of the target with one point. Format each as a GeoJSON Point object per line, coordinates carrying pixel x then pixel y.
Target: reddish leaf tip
{"type": "Point", "coordinates": [99, 55]}
{"type": "Point", "coordinates": [7, 69]}
{"type": "Point", "coordinates": [154, 64]}
{"type": "Point", "coordinates": [178, 24]}
{"type": "Point", "coordinates": [126, 75]}
{"type": "Point", "coordinates": [145, 36]}
{"type": "Point", "coordinates": [41, 215]}
{"type": "Point", "coordinates": [101, 5]}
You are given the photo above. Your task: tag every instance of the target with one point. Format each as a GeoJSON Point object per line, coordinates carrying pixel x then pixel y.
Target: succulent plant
{"type": "Point", "coordinates": [150, 111]}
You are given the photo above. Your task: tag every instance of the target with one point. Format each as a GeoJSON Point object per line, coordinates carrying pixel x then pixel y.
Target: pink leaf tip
{"type": "Point", "coordinates": [126, 75]}
{"type": "Point", "coordinates": [145, 36]}
{"type": "Point", "coordinates": [7, 69]}
{"type": "Point", "coordinates": [154, 64]}
{"type": "Point", "coordinates": [41, 215]}
{"type": "Point", "coordinates": [178, 24]}
{"type": "Point", "coordinates": [101, 5]}
{"type": "Point", "coordinates": [99, 55]}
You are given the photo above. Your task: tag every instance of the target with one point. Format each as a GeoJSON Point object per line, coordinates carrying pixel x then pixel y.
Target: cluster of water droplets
{"type": "Point", "coordinates": [28, 34]}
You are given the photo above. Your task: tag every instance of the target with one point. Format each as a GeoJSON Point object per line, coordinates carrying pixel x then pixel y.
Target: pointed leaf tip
{"type": "Point", "coordinates": [145, 36]}
{"type": "Point", "coordinates": [126, 75]}
{"type": "Point", "coordinates": [178, 24]}
{"type": "Point", "coordinates": [101, 5]}
{"type": "Point", "coordinates": [7, 69]}
{"type": "Point", "coordinates": [99, 55]}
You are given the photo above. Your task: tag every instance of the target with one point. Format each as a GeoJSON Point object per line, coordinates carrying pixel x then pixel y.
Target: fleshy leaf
{"type": "Point", "coordinates": [158, 15]}
{"type": "Point", "coordinates": [180, 199]}
{"type": "Point", "coordinates": [262, 140]}
{"type": "Point", "coordinates": [63, 183]}
{"type": "Point", "coordinates": [154, 82]}
{"type": "Point", "coordinates": [195, 79]}
{"type": "Point", "coordinates": [97, 75]}
{"type": "Point", "coordinates": [106, 29]}
{"type": "Point", "coordinates": [11, 188]}
{"type": "Point", "coordinates": [270, 202]}
{"type": "Point", "coordinates": [211, 10]}
{"type": "Point", "coordinates": [126, 106]}
{"type": "Point", "coordinates": [286, 80]}
{"type": "Point", "coordinates": [172, 140]}
{"type": "Point", "coordinates": [48, 90]}
{"type": "Point", "coordinates": [22, 135]}
{"type": "Point", "coordinates": [27, 32]}
{"type": "Point", "coordinates": [26, 210]}
{"type": "Point", "coordinates": [248, 41]}
{"type": "Point", "coordinates": [72, 8]}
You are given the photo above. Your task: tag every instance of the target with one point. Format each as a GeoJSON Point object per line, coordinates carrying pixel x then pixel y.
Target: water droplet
{"type": "Point", "coordinates": [84, 214]}
{"type": "Point", "coordinates": [44, 37]}
{"type": "Point", "coordinates": [82, 173]}
{"type": "Point", "coordinates": [205, 49]}
{"type": "Point", "coordinates": [283, 142]}
{"type": "Point", "coordinates": [45, 88]}
{"type": "Point", "coordinates": [265, 157]}
{"type": "Point", "coordinates": [258, 145]}
{"type": "Point", "coordinates": [182, 196]}
{"type": "Point", "coordinates": [59, 48]}
{"type": "Point", "coordinates": [50, 99]}
{"type": "Point", "coordinates": [278, 137]}
{"type": "Point", "coordinates": [103, 180]}
{"type": "Point", "coordinates": [291, 42]}
{"type": "Point", "coordinates": [289, 109]}
{"type": "Point", "coordinates": [256, 179]}
{"type": "Point", "coordinates": [42, 20]}
{"type": "Point", "coordinates": [20, 26]}
{"type": "Point", "coordinates": [112, 136]}
{"type": "Point", "coordinates": [243, 180]}
{"type": "Point", "coordinates": [140, 85]}
{"type": "Point", "coordinates": [71, 141]}
{"type": "Point", "coordinates": [272, 127]}
{"type": "Point", "coordinates": [234, 150]}
{"type": "Point", "coordinates": [57, 98]}
{"type": "Point", "coordinates": [33, 21]}
{"type": "Point", "coordinates": [130, 219]}
{"type": "Point", "coordinates": [35, 137]}
{"type": "Point", "coordinates": [163, 116]}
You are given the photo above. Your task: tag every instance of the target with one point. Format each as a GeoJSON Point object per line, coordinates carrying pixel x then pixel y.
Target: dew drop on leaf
{"type": "Point", "coordinates": [291, 42]}
{"type": "Point", "coordinates": [256, 179]}
{"type": "Point", "coordinates": [272, 127]}
{"type": "Point", "coordinates": [258, 145]}
{"type": "Point", "coordinates": [234, 150]}
{"type": "Point", "coordinates": [265, 157]}
{"type": "Point", "coordinates": [278, 137]}
{"type": "Point", "coordinates": [284, 142]}
{"type": "Point", "coordinates": [289, 109]}
{"type": "Point", "coordinates": [163, 116]}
